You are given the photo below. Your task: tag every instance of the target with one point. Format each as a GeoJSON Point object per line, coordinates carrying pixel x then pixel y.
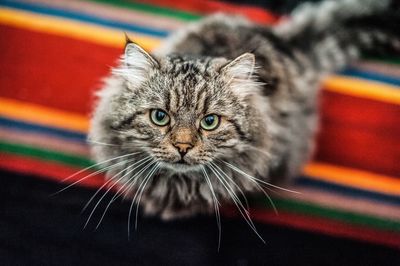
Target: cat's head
{"type": "Point", "coordinates": [182, 112]}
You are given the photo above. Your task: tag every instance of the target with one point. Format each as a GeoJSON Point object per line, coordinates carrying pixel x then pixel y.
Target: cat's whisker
{"type": "Point", "coordinates": [237, 202]}
{"type": "Point", "coordinates": [95, 194]}
{"type": "Point", "coordinates": [265, 193]}
{"type": "Point", "coordinates": [269, 199]}
{"type": "Point", "coordinates": [150, 175]}
{"type": "Point", "coordinates": [104, 185]}
{"type": "Point", "coordinates": [216, 203]}
{"type": "Point", "coordinates": [233, 182]}
{"type": "Point", "coordinates": [136, 176]}
{"type": "Point", "coordinates": [108, 190]}
{"type": "Point", "coordinates": [257, 179]}
{"type": "Point", "coordinates": [140, 185]}
{"type": "Point", "coordinates": [227, 187]}
{"type": "Point", "coordinates": [116, 195]}
{"type": "Point", "coordinates": [97, 164]}
{"type": "Point", "coordinates": [90, 200]}
{"type": "Point", "coordinates": [122, 189]}
{"type": "Point", "coordinates": [88, 176]}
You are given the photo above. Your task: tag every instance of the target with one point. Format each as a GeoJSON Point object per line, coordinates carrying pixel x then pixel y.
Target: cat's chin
{"type": "Point", "coordinates": [181, 167]}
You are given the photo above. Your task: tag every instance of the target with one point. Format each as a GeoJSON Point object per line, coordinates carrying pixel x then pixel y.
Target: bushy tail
{"type": "Point", "coordinates": [334, 32]}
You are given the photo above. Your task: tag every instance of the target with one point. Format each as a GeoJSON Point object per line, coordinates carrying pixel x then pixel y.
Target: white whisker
{"type": "Point", "coordinates": [233, 182]}
{"type": "Point", "coordinates": [133, 200]}
{"type": "Point", "coordinates": [87, 176]}
{"type": "Point", "coordinates": [257, 179]}
{"type": "Point", "coordinates": [126, 162]}
{"type": "Point", "coordinates": [108, 190]}
{"type": "Point", "coordinates": [216, 203]}
{"type": "Point", "coordinates": [237, 202]}
{"type": "Point", "coordinates": [150, 175]}
{"type": "Point", "coordinates": [123, 188]}
{"type": "Point", "coordinates": [265, 193]}
{"type": "Point", "coordinates": [100, 163]}
{"type": "Point", "coordinates": [95, 194]}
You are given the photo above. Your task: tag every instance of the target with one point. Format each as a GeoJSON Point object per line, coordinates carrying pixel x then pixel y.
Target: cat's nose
{"type": "Point", "coordinates": [183, 148]}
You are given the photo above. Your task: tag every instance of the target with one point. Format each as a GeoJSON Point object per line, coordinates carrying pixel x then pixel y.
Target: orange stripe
{"type": "Point", "coordinates": [353, 178]}
{"type": "Point", "coordinates": [363, 88]}
{"type": "Point", "coordinates": [71, 28]}
{"type": "Point", "coordinates": [110, 37]}
{"type": "Point", "coordinates": [55, 118]}
{"type": "Point", "coordinates": [43, 115]}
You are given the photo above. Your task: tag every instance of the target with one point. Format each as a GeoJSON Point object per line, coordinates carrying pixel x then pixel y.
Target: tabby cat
{"type": "Point", "coordinates": [226, 107]}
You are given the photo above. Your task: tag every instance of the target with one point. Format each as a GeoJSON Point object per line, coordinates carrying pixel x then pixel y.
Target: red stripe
{"type": "Point", "coordinates": [206, 7]}
{"type": "Point", "coordinates": [62, 72]}
{"type": "Point", "coordinates": [48, 170]}
{"type": "Point", "coordinates": [51, 70]}
{"type": "Point", "coordinates": [324, 226]}
{"type": "Point", "coordinates": [360, 133]}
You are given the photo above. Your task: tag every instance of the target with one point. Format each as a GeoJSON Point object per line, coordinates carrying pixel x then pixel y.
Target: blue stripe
{"type": "Point", "coordinates": [27, 127]}
{"type": "Point", "coordinates": [302, 181]}
{"type": "Point", "coordinates": [371, 76]}
{"type": "Point", "coordinates": [344, 190]}
{"type": "Point", "coordinates": [42, 9]}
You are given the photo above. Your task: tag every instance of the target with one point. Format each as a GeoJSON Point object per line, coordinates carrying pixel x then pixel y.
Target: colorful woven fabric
{"type": "Point", "coordinates": [54, 54]}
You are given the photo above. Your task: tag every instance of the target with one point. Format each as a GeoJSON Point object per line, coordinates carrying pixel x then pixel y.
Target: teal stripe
{"type": "Point", "coordinates": [167, 12]}
{"type": "Point", "coordinates": [329, 213]}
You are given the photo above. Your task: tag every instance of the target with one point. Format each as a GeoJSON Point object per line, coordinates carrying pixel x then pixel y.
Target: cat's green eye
{"type": "Point", "coordinates": [210, 122]}
{"type": "Point", "coordinates": [159, 117]}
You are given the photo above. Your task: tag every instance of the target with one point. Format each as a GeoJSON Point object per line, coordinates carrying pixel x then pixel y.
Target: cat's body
{"type": "Point", "coordinates": [267, 112]}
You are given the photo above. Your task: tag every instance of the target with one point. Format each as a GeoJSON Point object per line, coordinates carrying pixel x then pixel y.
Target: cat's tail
{"type": "Point", "coordinates": [333, 33]}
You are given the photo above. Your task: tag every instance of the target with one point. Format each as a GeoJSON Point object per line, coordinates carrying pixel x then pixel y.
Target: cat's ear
{"type": "Point", "coordinates": [240, 74]}
{"type": "Point", "coordinates": [136, 63]}
{"type": "Point", "coordinates": [137, 57]}
{"type": "Point", "coordinates": [241, 68]}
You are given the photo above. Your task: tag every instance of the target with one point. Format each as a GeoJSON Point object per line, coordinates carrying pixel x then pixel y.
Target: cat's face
{"type": "Point", "coordinates": [183, 113]}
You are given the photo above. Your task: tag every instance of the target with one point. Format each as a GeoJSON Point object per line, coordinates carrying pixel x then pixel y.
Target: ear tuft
{"type": "Point", "coordinates": [136, 63]}
{"type": "Point", "coordinates": [127, 39]}
{"type": "Point", "coordinates": [136, 57]}
{"type": "Point", "coordinates": [242, 67]}
{"type": "Point", "coordinates": [240, 74]}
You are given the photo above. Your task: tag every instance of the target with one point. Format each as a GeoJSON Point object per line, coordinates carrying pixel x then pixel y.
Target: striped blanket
{"type": "Point", "coordinates": [54, 54]}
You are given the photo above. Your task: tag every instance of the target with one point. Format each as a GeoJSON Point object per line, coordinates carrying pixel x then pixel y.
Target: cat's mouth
{"type": "Point", "coordinates": [181, 166]}
{"type": "Point", "coordinates": [182, 161]}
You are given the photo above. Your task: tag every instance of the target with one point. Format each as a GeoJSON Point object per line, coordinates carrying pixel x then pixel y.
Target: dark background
{"type": "Point", "coordinates": [39, 229]}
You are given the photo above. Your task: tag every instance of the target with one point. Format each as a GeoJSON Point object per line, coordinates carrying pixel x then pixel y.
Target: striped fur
{"type": "Point", "coordinates": [262, 82]}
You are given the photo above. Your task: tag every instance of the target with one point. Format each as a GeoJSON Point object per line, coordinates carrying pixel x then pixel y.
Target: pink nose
{"type": "Point", "coordinates": [183, 147]}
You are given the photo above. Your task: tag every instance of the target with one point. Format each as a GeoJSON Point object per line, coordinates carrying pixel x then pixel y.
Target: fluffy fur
{"type": "Point", "coordinates": [262, 82]}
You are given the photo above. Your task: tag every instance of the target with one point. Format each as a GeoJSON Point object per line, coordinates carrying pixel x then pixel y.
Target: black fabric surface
{"type": "Point", "coordinates": [39, 229]}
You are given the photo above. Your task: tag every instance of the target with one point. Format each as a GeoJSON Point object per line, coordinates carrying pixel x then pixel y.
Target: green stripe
{"type": "Point", "coordinates": [281, 204]}
{"type": "Point", "coordinates": [45, 155]}
{"type": "Point", "coordinates": [167, 12]}
{"type": "Point", "coordinates": [330, 213]}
